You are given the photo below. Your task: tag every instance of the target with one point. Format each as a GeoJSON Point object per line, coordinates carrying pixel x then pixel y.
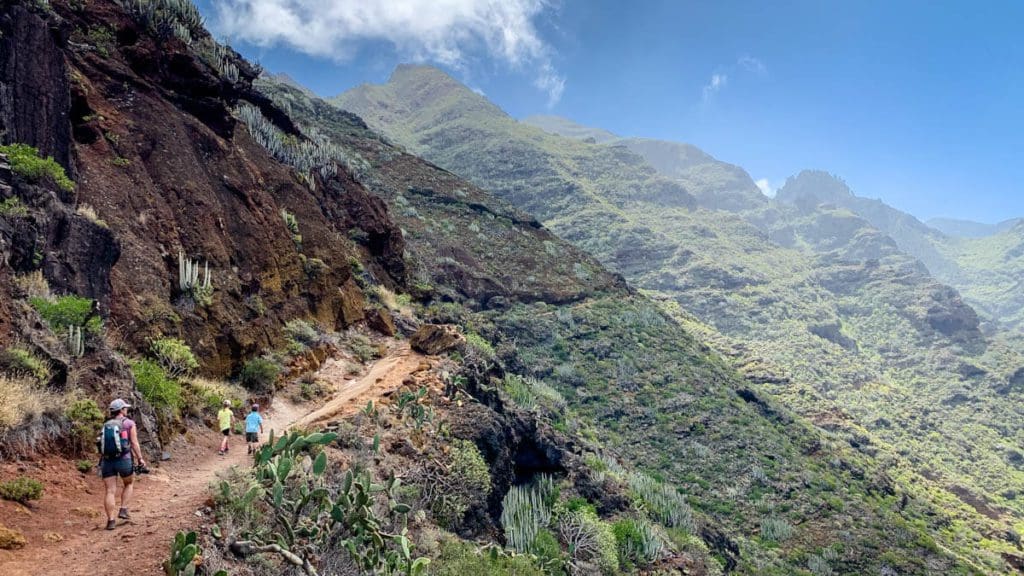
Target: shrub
{"type": "Point", "coordinates": [592, 546]}
{"type": "Point", "coordinates": [259, 375]}
{"type": "Point", "coordinates": [520, 391]}
{"type": "Point", "coordinates": [662, 502]}
{"type": "Point", "coordinates": [26, 162]}
{"type": "Point", "coordinates": [638, 542]}
{"type": "Point", "coordinates": [775, 529]}
{"type": "Point", "coordinates": [549, 551]}
{"type": "Point", "coordinates": [451, 487]}
{"type": "Point", "coordinates": [300, 334]}
{"type": "Point", "coordinates": [174, 356]}
{"type": "Point", "coordinates": [477, 343]}
{"type": "Point", "coordinates": [363, 348]}
{"type": "Point", "coordinates": [83, 466]}
{"type": "Point", "coordinates": [308, 513]}
{"type": "Point", "coordinates": [66, 311]}
{"type": "Point", "coordinates": [21, 489]}
{"type": "Point", "coordinates": [13, 207]}
{"type": "Point", "coordinates": [154, 385]}
{"type": "Point", "coordinates": [529, 393]}
{"type": "Point", "coordinates": [463, 559]}
{"type": "Point", "coordinates": [18, 361]}
{"type": "Point", "coordinates": [86, 418]}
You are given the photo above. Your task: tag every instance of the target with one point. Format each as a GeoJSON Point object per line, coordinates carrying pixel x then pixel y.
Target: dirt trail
{"type": "Point", "coordinates": [64, 530]}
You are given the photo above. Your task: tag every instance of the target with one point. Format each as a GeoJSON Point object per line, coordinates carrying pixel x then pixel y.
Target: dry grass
{"type": "Point", "coordinates": [21, 400]}
{"type": "Point", "coordinates": [89, 213]}
{"type": "Point", "coordinates": [33, 285]}
{"type": "Point", "coordinates": [392, 301]}
{"type": "Point", "coordinates": [212, 393]}
{"type": "Point", "coordinates": [30, 417]}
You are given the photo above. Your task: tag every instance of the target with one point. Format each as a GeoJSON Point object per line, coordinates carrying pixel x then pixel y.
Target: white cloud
{"type": "Point", "coordinates": [766, 187]}
{"type": "Point", "coordinates": [442, 31]}
{"type": "Point", "coordinates": [751, 64]}
{"type": "Point", "coordinates": [717, 82]}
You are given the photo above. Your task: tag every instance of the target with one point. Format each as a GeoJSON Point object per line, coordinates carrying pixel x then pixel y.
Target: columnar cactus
{"type": "Point", "coordinates": [76, 341]}
{"type": "Point", "coordinates": [201, 292]}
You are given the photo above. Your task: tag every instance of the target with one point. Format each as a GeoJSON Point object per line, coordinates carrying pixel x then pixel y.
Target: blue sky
{"type": "Point", "coordinates": [920, 104]}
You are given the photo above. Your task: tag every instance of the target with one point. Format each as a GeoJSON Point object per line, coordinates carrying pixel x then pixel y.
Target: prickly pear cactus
{"type": "Point", "coordinates": [307, 516]}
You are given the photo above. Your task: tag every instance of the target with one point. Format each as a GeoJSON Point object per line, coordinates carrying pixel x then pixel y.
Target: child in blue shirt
{"type": "Point", "coordinates": [253, 428]}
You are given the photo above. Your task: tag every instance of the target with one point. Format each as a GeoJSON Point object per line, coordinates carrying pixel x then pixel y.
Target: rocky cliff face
{"type": "Point", "coordinates": [34, 84]}
{"type": "Point", "coordinates": [146, 126]}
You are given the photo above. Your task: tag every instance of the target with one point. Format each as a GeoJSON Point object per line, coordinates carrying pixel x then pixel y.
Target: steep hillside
{"type": "Point", "coordinates": [812, 187]}
{"type": "Point", "coordinates": [715, 184]}
{"type": "Point", "coordinates": [982, 268]}
{"type": "Point", "coordinates": [816, 305]}
{"type": "Point", "coordinates": [569, 129]}
{"type": "Point", "coordinates": [990, 272]}
{"type": "Point", "coordinates": [650, 391]}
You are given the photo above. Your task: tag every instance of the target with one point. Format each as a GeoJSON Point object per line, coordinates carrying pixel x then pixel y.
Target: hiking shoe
{"type": "Point", "coordinates": [111, 524]}
{"type": "Point", "coordinates": [221, 452]}
{"type": "Point", "coordinates": [123, 513]}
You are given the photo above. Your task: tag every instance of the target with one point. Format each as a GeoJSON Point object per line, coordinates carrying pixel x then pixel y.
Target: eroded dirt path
{"type": "Point", "coordinates": [65, 529]}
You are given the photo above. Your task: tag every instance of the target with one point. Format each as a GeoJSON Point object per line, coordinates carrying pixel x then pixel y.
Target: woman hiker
{"type": "Point", "coordinates": [119, 445]}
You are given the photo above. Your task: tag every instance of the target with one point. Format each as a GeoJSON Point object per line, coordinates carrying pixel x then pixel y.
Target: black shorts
{"type": "Point", "coordinates": [252, 436]}
{"type": "Point", "coordinates": [121, 467]}
{"type": "Point", "coordinates": [226, 431]}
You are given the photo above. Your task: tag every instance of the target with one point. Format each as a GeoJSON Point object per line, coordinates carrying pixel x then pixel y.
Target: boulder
{"type": "Point", "coordinates": [381, 320]}
{"type": "Point", "coordinates": [11, 539]}
{"type": "Point", "coordinates": [432, 339]}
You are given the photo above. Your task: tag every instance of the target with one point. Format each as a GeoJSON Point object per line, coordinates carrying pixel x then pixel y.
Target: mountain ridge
{"type": "Point", "coordinates": [807, 300]}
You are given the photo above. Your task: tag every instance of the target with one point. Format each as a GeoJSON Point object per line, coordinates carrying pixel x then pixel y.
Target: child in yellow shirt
{"type": "Point", "coordinates": [225, 418]}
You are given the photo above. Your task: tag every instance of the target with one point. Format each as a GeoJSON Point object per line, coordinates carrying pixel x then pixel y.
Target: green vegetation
{"type": "Point", "coordinates": [13, 206]}
{"type": "Point", "coordinates": [174, 356]}
{"type": "Point", "coordinates": [184, 550]}
{"type": "Point", "coordinates": [452, 487]}
{"type": "Point", "coordinates": [155, 386]}
{"type": "Point", "coordinates": [26, 162]}
{"type": "Point", "coordinates": [85, 418]}
{"type": "Point", "coordinates": [211, 394]}
{"type": "Point", "coordinates": [817, 308]}
{"type": "Point", "coordinates": [301, 335]}
{"type": "Point", "coordinates": [259, 375]}
{"type": "Point", "coordinates": [525, 513]}
{"type": "Point", "coordinates": [84, 466]}
{"type": "Point", "coordinates": [292, 223]}
{"type": "Point", "coordinates": [20, 361]}
{"type": "Point", "coordinates": [638, 542]}
{"type": "Point", "coordinates": [305, 524]}
{"type": "Point", "coordinates": [198, 292]}
{"type": "Point", "coordinates": [461, 559]}
{"type": "Point", "coordinates": [64, 312]}
{"type": "Point", "coordinates": [22, 489]}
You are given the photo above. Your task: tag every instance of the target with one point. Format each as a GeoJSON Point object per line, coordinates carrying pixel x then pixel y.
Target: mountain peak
{"type": "Point", "coordinates": [814, 187]}
{"type": "Point", "coordinates": [420, 72]}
